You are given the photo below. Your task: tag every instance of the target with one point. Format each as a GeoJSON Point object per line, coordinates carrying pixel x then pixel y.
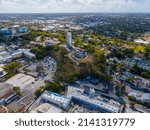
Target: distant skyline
{"type": "Point", "coordinates": [74, 6]}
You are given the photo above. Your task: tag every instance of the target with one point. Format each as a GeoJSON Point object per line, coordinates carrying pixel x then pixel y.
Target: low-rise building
{"type": "Point", "coordinates": [93, 101]}
{"type": "Point", "coordinates": [56, 99]}
{"type": "Point", "coordinates": [6, 59]}
{"type": "Point", "coordinates": [80, 54]}
{"type": "Point", "coordinates": [21, 80]}
{"type": "Point", "coordinates": [17, 54]}
{"type": "Point", "coordinates": [49, 42]}
{"type": "Point", "coordinates": [29, 54]}
{"type": "Point", "coordinates": [8, 98]}
{"type": "Point", "coordinates": [22, 30]}
{"type": "Point", "coordinates": [140, 96]}
{"type": "Point", "coordinates": [130, 62]}
{"type": "Point", "coordinates": [50, 102]}
{"type": "Point", "coordinates": [141, 82]}
{"type": "Point", "coordinates": [6, 31]}
{"type": "Point", "coordinates": [3, 53]}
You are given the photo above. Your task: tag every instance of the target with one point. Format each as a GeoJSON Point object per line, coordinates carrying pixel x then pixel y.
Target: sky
{"type": "Point", "coordinates": [74, 6]}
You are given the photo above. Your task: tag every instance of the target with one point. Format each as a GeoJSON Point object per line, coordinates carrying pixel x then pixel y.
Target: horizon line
{"type": "Point", "coordinates": [75, 12]}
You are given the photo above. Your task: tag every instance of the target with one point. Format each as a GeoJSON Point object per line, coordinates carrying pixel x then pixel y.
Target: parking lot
{"type": "Point", "coordinates": [49, 68]}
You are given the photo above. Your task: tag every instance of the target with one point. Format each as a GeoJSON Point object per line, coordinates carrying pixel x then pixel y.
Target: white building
{"type": "Point", "coordinates": [141, 41]}
{"type": "Point", "coordinates": [3, 53]}
{"type": "Point", "coordinates": [69, 39]}
{"type": "Point", "coordinates": [49, 42]}
{"type": "Point", "coordinates": [130, 62]}
{"type": "Point", "coordinates": [17, 54]}
{"type": "Point", "coordinates": [29, 54]}
{"type": "Point", "coordinates": [21, 80]}
{"type": "Point", "coordinates": [6, 58]}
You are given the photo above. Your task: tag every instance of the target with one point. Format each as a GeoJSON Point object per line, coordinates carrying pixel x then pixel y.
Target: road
{"type": "Point", "coordinates": [70, 56]}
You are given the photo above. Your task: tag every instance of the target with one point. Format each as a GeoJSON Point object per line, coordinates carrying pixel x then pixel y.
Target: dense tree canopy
{"type": "Point", "coordinates": [12, 67]}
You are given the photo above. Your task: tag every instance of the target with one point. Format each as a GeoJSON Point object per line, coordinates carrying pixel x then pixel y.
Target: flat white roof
{"type": "Point", "coordinates": [20, 80]}
{"type": "Point", "coordinates": [16, 53]}
{"type": "Point", "coordinates": [47, 108]}
{"type": "Point", "coordinates": [29, 53]}
{"type": "Point", "coordinates": [141, 41]}
{"type": "Point", "coordinates": [3, 52]}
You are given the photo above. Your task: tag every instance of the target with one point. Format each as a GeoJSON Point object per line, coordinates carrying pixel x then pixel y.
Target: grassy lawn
{"type": "Point", "coordinates": [87, 59]}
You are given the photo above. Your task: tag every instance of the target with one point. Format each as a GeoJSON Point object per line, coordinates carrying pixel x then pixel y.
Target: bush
{"type": "Point", "coordinates": [39, 91]}
{"type": "Point", "coordinates": [131, 98]}
{"type": "Point", "coordinates": [12, 67]}
{"type": "Point", "coordinates": [17, 91]}
{"type": "Point", "coordinates": [55, 87]}
{"type": "Point", "coordinates": [132, 104]}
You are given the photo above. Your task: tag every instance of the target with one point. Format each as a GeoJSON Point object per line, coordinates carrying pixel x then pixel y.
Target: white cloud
{"type": "Point", "coordinates": [50, 6]}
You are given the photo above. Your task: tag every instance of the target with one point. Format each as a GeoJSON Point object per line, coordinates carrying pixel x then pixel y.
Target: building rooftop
{"type": "Point", "coordinates": [80, 54]}
{"type": "Point", "coordinates": [6, 57]}
{"type": "Point", "coordinates": [138, 61]}
{"type": "Point", "coordinates": [56, 99]}
{"type": "Point", "coordinates": [109, 105]}
{"type": "Point", "coordinates": [50, 102]}
{"type": "Point", "coordinates": [3, 52]}
{"type": "Point", "coordinates": [6, 31]}
{"type": "Point", "coordinates": [22, 30]}
{"type": "Point", "coordinates": [140, 95]}
{"type": "Point", "coordinates": [47, 108]}
{"type": "Point", "coordinates": [141, 41]}
{"type": "Point", "coordinates": [49, 42]}
{"type": "Point", "coordinates": [16, 53]}
{"type": "Point", "coordinates": [29, 53]}
{"type": "Point", "coordinates": [20, 80]}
